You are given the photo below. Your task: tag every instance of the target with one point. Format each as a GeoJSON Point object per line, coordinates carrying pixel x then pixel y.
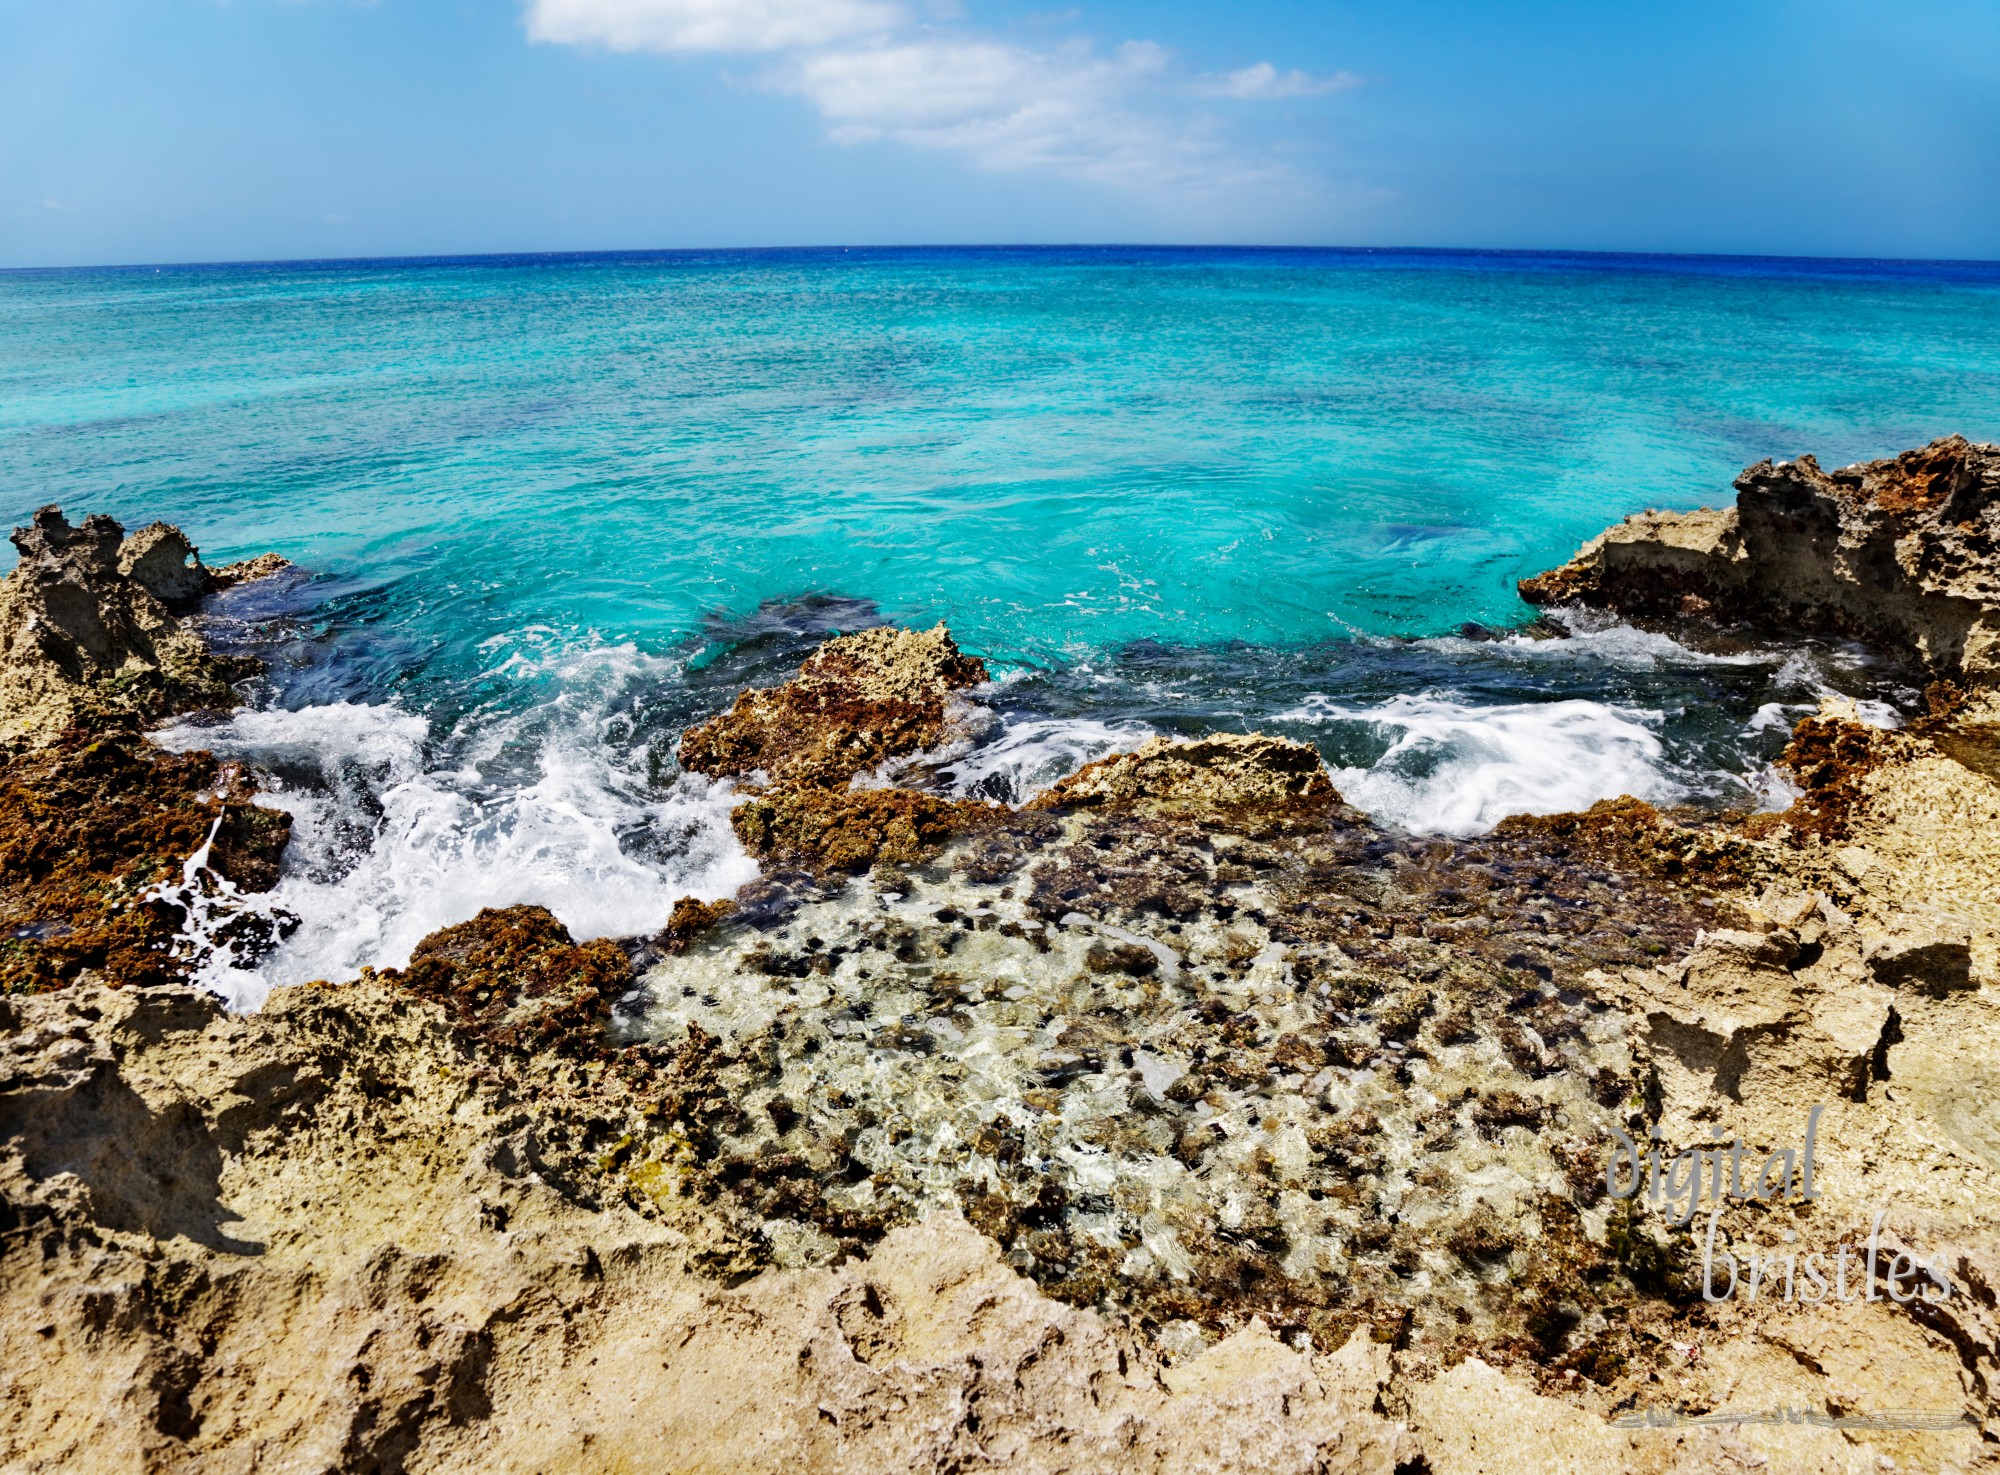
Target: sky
{"type": "Point", "coordinates": [145, 131]}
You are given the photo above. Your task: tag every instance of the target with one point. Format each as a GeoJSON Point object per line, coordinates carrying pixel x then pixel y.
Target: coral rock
{"type": "Point", "coordinates": [161, 560]}
{"type": "Point", "coordinates": [247, 571]}
{"type": "Point", "coordinates": [90, 830]}
{"type": "Point", "coordinates": [84, 636]}
{"type": "Point", "coordinates": [1219, 771]}
{"type": "Point", "coordinates": [516, 977]}
{"type": "Point", "coordinates": [857, 701]}
{"type": "Point", "coordinates": [851, 829]}
{"type": "Point", "coordinates": [1900, 551]}
{"type": "Point", "coordinates": [1924, 951]}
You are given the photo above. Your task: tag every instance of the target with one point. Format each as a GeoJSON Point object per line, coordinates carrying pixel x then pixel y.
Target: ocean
{"type": "Point", "coordinates": [549, 510]}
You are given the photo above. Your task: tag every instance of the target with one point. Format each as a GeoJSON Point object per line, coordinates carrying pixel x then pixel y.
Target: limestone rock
{"type": "Point", "coordinates": [830, 830]}
{"type": "Point", "coordinates": [90, 831]}
{"type": "Point", "coordinates": [247, 571]}
{"type": "Point", "coordinates": [83, 636]}
{"type": "Point", "coordinates": [856, 702]}
{"type": "Point", "coordinates": [1900, 551]}
{"type": "Point", "coordinates": [1221, 771]}
{"type": "Point", "coordinates": [516, 977]}
{"type": "Point", "coordinates": [331, 1237]}
{"type": "Point", "coordinates": [1476, 1421]}
{"type": "Point", "coordinates": [1672, 562]}
{"type": "Point", "coordinates": [161, 560]}
{"type": "Point", "coordinates": [1924, 951]}
{"type": "Point", "coordinates": [1744, 1015]}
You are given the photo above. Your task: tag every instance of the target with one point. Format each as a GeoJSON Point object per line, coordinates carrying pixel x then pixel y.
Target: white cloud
{"type": "Point", "coordinates": [1265, 81]}
{"type": "Point", "coordinates": [875, 72]}
{"type": "Point", "coordinates": [708, 25]}
{"type": "Point", "coordinates": [1066, 111]}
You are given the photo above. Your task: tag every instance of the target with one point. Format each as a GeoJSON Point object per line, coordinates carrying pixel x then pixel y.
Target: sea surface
{"type": "Point", "coordinates": [548, 510]}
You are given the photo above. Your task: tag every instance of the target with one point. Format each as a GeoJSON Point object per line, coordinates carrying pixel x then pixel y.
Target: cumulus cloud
{"type": "Point", "coordinates": [874, 72]}
{"type": "Point", "coordinates": [1067, 111]}
{"type": "Point", "coordinates": [708, 25]}
{"type": "Point", "coordinates": [1265, 81]}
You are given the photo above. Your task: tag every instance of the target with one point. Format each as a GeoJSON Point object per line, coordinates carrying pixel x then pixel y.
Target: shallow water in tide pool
{"type": "Point", "coordinates": [556, 508]}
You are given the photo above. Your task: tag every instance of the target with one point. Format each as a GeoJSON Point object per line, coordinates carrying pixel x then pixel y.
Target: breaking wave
{"type": "Point", "coordinates": [1447, 767]}
{"type": "Point", "coordinates": [397, 832]}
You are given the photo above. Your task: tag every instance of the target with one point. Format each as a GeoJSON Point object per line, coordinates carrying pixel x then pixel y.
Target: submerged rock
{"type": "Point", "coordinates": [1904, 552]}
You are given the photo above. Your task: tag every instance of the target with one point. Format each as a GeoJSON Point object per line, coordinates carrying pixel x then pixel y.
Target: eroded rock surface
{"type": "Point", "coordinates": [859, 703]}
{"type": "Point", "coordinates": [389, 1245]}
{"type": "Point", "coordinates": [85, 637]}
{"type": "Point", "coordinates": [1180, 1119]}
{"type": "Point", "coordinates": [1903, 551]}
{"type": "Point", "coordinates": [856, 702]}
{"type": "Point", "coordinates": [1222, 771]}
{"type": "Point", "coordinates": [98, 827]}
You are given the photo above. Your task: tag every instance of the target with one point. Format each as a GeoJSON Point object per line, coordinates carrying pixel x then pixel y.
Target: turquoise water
{"type": "Point", "coordinates": [555, 507]}
{"type": "Point", "coordinates": [1057, 451]}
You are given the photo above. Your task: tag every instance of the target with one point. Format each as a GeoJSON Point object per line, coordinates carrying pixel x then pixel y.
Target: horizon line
{"type": "Point", "coordinates": [580, 255]}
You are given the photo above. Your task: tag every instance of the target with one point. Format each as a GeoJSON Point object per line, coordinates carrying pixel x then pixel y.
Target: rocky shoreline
{"type": "Point", "coordinates": [1180, 1118]}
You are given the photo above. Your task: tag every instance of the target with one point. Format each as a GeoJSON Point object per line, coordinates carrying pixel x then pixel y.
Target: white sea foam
{"type": "Point", "coordinates": [1029, 756]}
{"type": "Point", "coordinates": [1452, 768]}
{"type": "Point", "coordinates": [1604, 639]}
{"type": "Point", "coordinates": [391, 842]}
{"type": "Point", "coordinates": [1801, 673]}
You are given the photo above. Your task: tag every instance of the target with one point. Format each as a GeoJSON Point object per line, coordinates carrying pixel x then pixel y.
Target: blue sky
{"type": "Point", "coordinates": [184, 130]}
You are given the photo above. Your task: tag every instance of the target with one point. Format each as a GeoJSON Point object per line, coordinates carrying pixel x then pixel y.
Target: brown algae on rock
{"type": "Point", "coordinates": [96, 825]}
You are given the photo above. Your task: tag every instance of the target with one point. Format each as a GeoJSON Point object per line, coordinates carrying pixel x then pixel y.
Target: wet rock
{"type": "Point", "coordinates": [1900, 551]}
{"type": "Point", "coordinates": [690, 918]}
{"type": "Point", "coordinates": [90, 834]}
{"type": "Point", "coordinates": [857, 701]}
{"type": "Point", "coordinates": [514, 976]}
{"type": "Point", "coordinates": [94, 823]}
{"type": "Point", "coordinates": [831, 830]}
{"type": "Point", "coordinates": [1220, 771]}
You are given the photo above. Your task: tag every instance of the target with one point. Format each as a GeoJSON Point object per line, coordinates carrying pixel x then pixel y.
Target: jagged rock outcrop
{"type": "Point", "coordinates": [857, 702]}
{"type": "Point", "coordinates": [1126, 1130]}
{"type": "Point", "coordinates": [85, 637]}
{"type": "Point", "coordinates": [95, 824]}
{"type": "Point", "coordinates": [1218, 771]}
{"type": "Point", "coordinates": [1904, 552]}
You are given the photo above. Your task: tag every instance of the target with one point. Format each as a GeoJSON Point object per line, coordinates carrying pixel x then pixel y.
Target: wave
{"type": "Point", "coordinates": [396, 834]}
{"type": "Point", "coordinates": [1451, 768]}
{"type": "Point", "coordinates": [1028, 756]}
{"type": "Point", "coordinates": [1587, 635]}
